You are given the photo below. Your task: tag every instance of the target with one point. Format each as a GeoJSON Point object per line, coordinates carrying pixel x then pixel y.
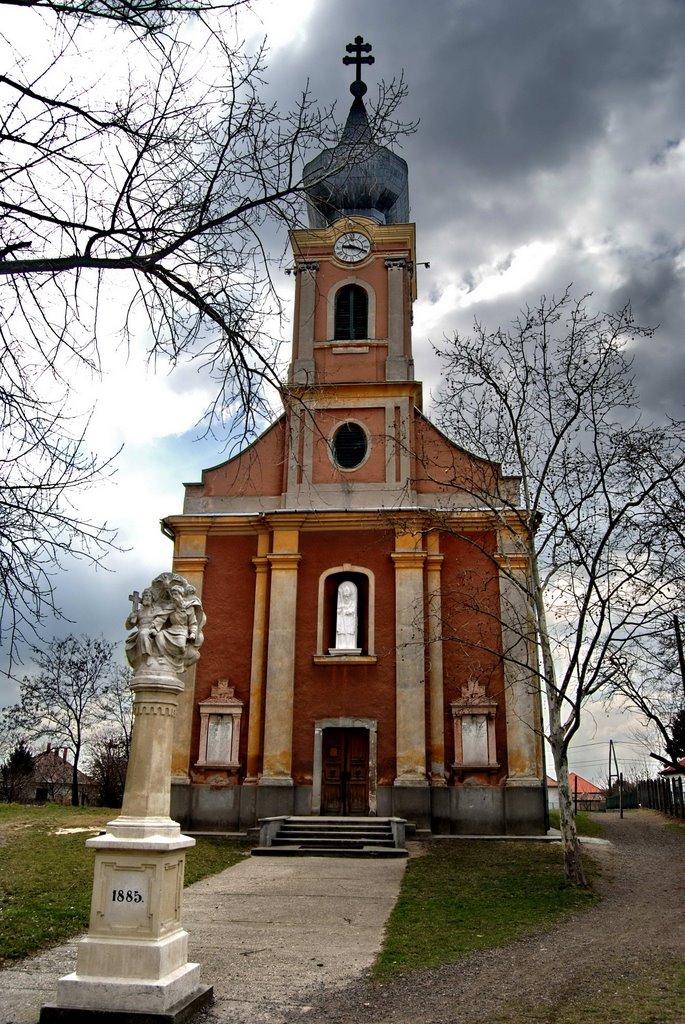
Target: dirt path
{"type": "Point", "coordinates": [639, 921]}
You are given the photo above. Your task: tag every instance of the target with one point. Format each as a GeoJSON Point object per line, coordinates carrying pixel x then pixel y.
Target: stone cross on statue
{"type": "Point", "coordinates": [358, 47]}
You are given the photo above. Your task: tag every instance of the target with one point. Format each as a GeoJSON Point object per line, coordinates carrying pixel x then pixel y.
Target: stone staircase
{"type": "Point", "coordinates": [331, 837]}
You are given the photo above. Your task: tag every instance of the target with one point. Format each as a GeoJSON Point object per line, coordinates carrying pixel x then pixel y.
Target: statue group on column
{"type": "Point", "coordinates": [166, 624]}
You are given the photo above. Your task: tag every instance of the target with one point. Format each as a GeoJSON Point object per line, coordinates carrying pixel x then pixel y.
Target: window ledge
{"type": "Point", "coordinates": [223, 765]}
{"type": "Point", "coordinates": [477, 767]}
{"type": "Point", "coordinates": [345, 659]}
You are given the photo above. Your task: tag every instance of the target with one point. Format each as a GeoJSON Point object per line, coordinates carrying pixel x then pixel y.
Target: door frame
{"type": "Point", "coordinates": [371, 725]}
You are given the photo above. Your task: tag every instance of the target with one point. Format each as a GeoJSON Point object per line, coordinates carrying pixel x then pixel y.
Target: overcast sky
{"type": "Point", "coordinates": [549, 152]}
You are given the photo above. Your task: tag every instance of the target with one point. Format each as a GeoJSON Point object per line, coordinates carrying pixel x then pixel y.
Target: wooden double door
{"type": "Point", "coordinates": [345, 768]}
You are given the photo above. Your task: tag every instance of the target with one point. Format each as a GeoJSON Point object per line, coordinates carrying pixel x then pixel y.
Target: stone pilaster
{"type": "Point", "coordinates": [397, 363]}
{"type": "Point", "coordinates": [521, 684]}
{"type": "Point", "coordinates": [409, 561]}
{"type": "Point", "coordinates": [280, 668]}
{"type": "Point", "coordinates": [190, 561]}
{"type": "Point", "coordinates": [255, 721]}
{"type": "Point", "coordinates": [434, 562]}
{"type": "Point", "coordinates": [303, 371]}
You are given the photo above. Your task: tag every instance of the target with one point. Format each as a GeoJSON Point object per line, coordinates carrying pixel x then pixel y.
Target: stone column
{"type": "Point", "coordinates": [409, 560]}
{"type": "Point", "coordinates": [255, 720]}
{"type": "Point", "coordinates": [280, 669]}
{"type": "Point", "coordinates": [133, 964]}
{"type": "Point", "coordinates": [434, 562]}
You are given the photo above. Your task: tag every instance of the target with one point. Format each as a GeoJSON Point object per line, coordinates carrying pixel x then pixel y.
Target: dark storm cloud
{"type": "Point", "coordinates": [543, 123]}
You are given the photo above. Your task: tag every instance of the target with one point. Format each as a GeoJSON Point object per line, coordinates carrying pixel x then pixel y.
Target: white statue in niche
{"type": "Point", "coordinates": [346, 618]}
{"type": "Point", "coordinates": [166, 624]}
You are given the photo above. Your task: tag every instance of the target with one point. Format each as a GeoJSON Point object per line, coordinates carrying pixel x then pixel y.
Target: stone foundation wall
{"type": "Point", "coordinates": [450, 810]}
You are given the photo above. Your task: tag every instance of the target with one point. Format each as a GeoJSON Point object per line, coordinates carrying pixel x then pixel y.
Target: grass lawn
{"type": "Point", "coordinates": [463, 896]}
{"type": "Point", "coordinates": [588, 823]}
{"type": "Point", "coordinates": [46, 877]}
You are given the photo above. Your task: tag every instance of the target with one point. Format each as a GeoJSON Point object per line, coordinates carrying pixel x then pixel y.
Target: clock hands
{"type": "Point", "coordinates": [352, 247]}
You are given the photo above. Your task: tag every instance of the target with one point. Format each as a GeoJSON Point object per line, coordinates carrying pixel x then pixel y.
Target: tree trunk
{"type": "Point", "coordinates": [573, 861]}
{"type": "Point", "coordinates": [74, 781]}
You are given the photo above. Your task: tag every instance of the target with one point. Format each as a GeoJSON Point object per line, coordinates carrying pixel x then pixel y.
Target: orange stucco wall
{"type": "Point", "coordinates": [373, 470]}
{"type": "Point", "coordinates": [471, 638]}
{"type": "Point", "coordinates": [440, 465]}
{"type": "Point", "coordinates": [228, 600]}
{"type": "Point", "coordinates": [471, 633]}
{"type": "Point", "coordinates": [258, 470]}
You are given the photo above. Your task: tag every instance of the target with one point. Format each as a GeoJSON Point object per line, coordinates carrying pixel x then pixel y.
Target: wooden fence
{"type": "Point", "coordinates": [664, 795]}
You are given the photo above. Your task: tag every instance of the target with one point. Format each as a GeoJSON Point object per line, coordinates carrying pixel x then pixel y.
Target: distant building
{"type": "Point", "coordinates": [52, 777]}
{"type": "Point", "coordinates": [552, 794]}
{"type": "Point", "coordinates": [589, 797]}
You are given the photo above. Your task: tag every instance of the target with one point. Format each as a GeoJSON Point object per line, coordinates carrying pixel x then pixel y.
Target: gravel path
{"type": "Point", "coordinates": [639, 921]}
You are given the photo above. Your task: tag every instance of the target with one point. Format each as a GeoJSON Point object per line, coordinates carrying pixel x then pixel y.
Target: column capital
{"type": "Point", "coordinates": [408, 559]}
{"type": "Point", "coordinates": [512, 562]}
{"type": "Point", "coordinates": [283, 560]}
{"type": "Point", "coordinates": [185, 564]}
{"type": "Point", "coordinates": [434, 562]}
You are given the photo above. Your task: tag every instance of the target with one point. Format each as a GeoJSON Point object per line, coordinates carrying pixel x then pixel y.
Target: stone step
{"type": "Point", "coordinates": [333, 836]}
{"type": "Point", "coordinates": [323, 842]}
{"type": "Point", "coordinates": [295, 831]}
{"type": "Point", "coordinates": [303, 851]}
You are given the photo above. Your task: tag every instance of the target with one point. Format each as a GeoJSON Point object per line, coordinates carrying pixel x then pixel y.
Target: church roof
{"type": "Point", "coordinates": [357, 177]}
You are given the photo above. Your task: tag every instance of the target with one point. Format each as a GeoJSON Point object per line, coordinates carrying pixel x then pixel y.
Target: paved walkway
{"type": "Point", "coordinates": [270, 934]}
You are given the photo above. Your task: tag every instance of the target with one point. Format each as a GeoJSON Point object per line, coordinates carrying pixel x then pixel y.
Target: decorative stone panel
{"type": "Point", "coordinates": [473, 717]}
{"type": "Point", "coordinates": [220, 718]}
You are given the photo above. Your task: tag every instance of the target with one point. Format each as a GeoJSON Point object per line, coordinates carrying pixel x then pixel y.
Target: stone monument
{"type": "Point", "coordinates": [133, 964]}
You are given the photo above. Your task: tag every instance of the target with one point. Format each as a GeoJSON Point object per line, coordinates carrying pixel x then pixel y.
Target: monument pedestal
{"type": "Point", "coordinates": [132, 968]}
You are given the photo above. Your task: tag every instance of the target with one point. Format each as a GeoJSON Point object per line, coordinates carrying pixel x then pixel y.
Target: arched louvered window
{"type": "Point", "coordinates": [351, 313]}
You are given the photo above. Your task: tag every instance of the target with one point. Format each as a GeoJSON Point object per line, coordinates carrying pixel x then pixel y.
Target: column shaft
{"type": "Point", "coordinates": [410, 651]}
{"type": "Point", "coordinates": [280, 670]}
{"type": "Point", "coordinates": [520, 677]}
{"type": "Point", "coordinates": [255, 719]}
{"type": "Point", "coordinates": [435, 662]}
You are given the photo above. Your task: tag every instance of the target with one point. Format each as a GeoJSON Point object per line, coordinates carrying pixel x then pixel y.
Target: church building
{"type": "Point", "coordinates": [368, 649]}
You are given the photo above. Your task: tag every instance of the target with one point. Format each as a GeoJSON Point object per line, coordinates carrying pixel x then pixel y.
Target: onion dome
{"type": "Point", "coordinates": [357, 177]}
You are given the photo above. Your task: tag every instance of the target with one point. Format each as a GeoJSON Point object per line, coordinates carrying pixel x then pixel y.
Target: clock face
{"type": "Point", "coordinates": [352, 247]}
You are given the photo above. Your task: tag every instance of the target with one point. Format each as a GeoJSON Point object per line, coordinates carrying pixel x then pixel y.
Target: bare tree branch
{"type": "Point", "coordinates": [554, 401]}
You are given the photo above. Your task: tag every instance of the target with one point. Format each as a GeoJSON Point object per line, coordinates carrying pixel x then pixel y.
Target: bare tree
{"type": "Point", "coordinates": [140, 170]}
{"type": "Point", "coordinates": [107, 764]}
{"type": "Point", "coordinates": [65, 698]}
{"type": "Point", "coordinates": [650, 679]}
{"type": "Point", "coordinates": [117, 706]}
{"type": "Point", "coordinates": [553, 400]}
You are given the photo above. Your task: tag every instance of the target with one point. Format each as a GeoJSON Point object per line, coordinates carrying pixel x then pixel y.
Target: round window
{"type": "Point", "coordinates": [349, 445]}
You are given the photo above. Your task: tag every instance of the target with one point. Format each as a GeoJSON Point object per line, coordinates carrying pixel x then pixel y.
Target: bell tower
{"type": "Point", "coordinates": [351, 383]}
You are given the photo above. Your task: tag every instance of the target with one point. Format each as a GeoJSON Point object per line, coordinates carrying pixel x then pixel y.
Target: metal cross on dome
{"type": "Point", "coordinates": [358, 47]}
